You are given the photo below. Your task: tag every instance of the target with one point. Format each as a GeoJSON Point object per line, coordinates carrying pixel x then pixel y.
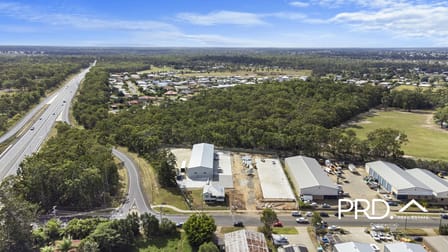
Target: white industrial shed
{"type": "Point", "coordinates": [438, 185]}
{"type": "Point", "coordinates": [309, 178]}
{"type": "Point", "coordinates": [201, 162]}
{"type": "Point", "coordinates": [395, 180]}
{"type": "Point", "coordinates": [245, 241]}
{"type": "Point", "coordinates": [353, 247]}
{"type": "Point", "coordinates": [403, 247]}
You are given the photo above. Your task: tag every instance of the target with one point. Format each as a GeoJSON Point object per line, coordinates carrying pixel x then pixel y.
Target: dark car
{"type": "Point", "coordinates": [324, 214]}
{"type": "Point", "coordinates": [392, 203]}
{"type": "Point", "coordinates": [444, 216]}
{"type": "Point", "coordinates": [238, 224]}
{"type": "Point", "coordinates": [337, 214]}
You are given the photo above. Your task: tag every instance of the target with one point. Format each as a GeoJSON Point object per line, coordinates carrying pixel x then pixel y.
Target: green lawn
{"type": "Point", "coordinates": [285, 230]}
{"type": "Point", "coordinates": [426, 139]}
{"type": "Point", "coordinates": [178, 243]}
{"type": "Point", "coordinates": [225, 230]}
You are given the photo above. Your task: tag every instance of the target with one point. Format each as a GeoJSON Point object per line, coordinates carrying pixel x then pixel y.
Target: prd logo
{"type": "Point", "coordinates": [370, 210]}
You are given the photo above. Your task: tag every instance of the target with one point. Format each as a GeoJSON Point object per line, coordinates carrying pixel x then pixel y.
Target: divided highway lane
{"type": "Point", "coordinates": [31, 140]}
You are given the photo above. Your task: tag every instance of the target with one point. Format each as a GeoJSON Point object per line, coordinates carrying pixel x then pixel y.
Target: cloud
{"type": "Point", "coordinates": [402, 19]}
{"type": "Point", "coordinates": [222, 17]}
{"type": "Point", "coordinates": [25, 12]}
{"type": "Point", "coordinates": [299, 4]}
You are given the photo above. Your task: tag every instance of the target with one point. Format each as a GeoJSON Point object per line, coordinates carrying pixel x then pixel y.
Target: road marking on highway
{"type": "Point", "coordinates": [6, 150]}
{"type": "Point", "coordinates": [52, 99]}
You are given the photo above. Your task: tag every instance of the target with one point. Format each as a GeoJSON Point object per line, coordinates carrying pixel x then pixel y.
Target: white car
{"type": "Point", "coordinates": [302, 220]}
{"type": "Point", "coordinates": [309, 214]}
{"type": "Point", "coordinates": [334, 228]}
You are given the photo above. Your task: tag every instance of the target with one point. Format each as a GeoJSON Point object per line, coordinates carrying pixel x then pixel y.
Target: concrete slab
{"type": "Point", "coordinates": [274, 183]}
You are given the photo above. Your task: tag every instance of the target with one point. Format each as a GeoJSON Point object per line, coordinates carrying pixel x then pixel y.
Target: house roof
{"type": "Point", "coordinates": [202, 155]}
{"type": "Point", "coordinates": [404, 247]}
{"type": "Point", "coordinates": [245, 241]}
{"type": "Point", "coordinates": [353, 247]}
{"type": "Point", "coordinates": [307, 172]}
{"type": "Point", "coordinates": [438, 185]}
{"type": "Point", "coordinates": [396, 176]}
{"type": "Point", "coordinates": [214, 189]}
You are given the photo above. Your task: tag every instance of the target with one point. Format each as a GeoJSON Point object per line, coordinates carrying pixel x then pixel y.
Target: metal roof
{"type": "Point", "coordinates": [436, 243]}
{"type": "Point", "coordinates": [404, 247]}
{"type": "Point", "coordinates": [438, 185]}
{"type": "Point", "coordinates": [214, 189]}
{"type": "Point", "coordinates": [307, 172]}
{"type": "Point", "coordinates": [202, 155]}
{"type": "Point", "coordinates": [244, 240]}
{"type": "Point", "coordinates": [396, 176]}
{"type": "Point", "coordinates": [353, 247]}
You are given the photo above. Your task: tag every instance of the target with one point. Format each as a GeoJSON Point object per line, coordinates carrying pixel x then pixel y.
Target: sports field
{"type": "Point", "coordinates": [426, 139]}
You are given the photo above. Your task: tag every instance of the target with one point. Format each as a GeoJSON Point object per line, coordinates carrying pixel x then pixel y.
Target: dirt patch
{"type": "Point", "coordinates": [429, 123]}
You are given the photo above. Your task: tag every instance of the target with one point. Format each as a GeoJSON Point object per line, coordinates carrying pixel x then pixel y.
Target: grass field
{"type": "Point", "coordinates": [426, 139]}
{"type": "Point", "coordinates": [285, 230]}
{"type": "Point", "coordinates": [177, 243]}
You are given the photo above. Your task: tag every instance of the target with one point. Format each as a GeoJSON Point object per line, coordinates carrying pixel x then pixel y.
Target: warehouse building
{"type": "Point", "coordinates": [310, 179]}
{"type": "Point", "coordinates": [436, 243]}
{"type": "Point", "coordinates": [438, 185]}
{"type": "Point", "coordinates": [403, 247]}
{"type": "Point", "coordinates": [397, 181]}
{"type": "Point", "coordinates": [201, 162]}
{"type": "Point", "coordinates": [245, 241]}
{"type": "Point", "coordinates": [354, 247]}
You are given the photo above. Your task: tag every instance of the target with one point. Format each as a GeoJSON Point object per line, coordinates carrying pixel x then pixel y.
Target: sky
{"type": "Point", "coordinates": [226, 23]}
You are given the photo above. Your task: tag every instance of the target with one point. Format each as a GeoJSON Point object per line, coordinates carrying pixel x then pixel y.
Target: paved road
{"type": "Point", "coordinates": [30, 140]}
{"type": "Point", "coordinates": [135, 198]}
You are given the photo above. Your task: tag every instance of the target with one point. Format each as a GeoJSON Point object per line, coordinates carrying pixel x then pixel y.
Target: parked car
{"type": "Point", "coordinates": [325, 239]}
{"type": "Point", "coordinates": [309, 214]}
{"type": "Point", "coordinates": [278, 224]}
{"type": "Point", "coordinates": [32, 128]}
{"type": "Point", "coordinates": [296, 214]}
{"type": "Point", "coordinates": [333, 228]}
{"type": "Point", "coordinates": [302, 220]}
{"type": "Point", "coordinates": [324, 214]}
{"type": "Point", "coordinates": [444, 216]}
{"type": "Point", "coordinates": [325, 205]}
{"type": "Point", "coordinates": [179, 224]}
{"type": "Point", "coordinates": [392, 203]}
{"type": "Point", "coordinates": [313, 204]}
{"type": "Point", "coordinates": [238, 224]}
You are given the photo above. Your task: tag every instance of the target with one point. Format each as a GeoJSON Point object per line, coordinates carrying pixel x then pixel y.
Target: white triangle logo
{"type": "Point", "coordinates": [413, 202]}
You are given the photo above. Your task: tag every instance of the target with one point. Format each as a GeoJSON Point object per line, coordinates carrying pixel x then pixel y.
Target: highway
{"type": "Point", "coordinates": [30, 139]}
